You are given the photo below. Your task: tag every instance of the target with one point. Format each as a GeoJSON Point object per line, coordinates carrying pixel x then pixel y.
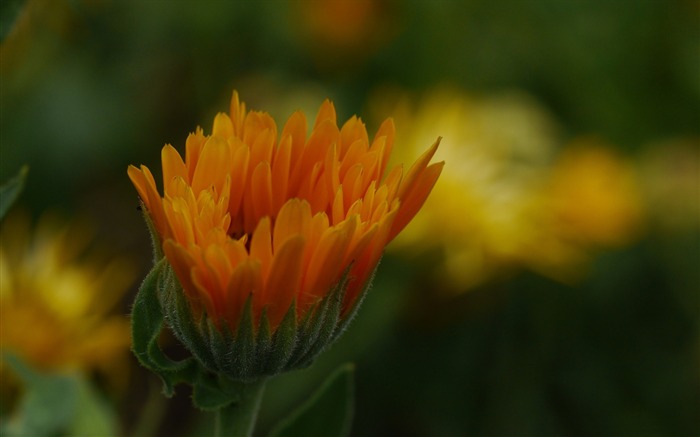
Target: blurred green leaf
{"type": "Point", "coordinates": [328, 412]}
{"type": "Point", "coordinates": [48, 405]}
{"type": "Point", "coordinates": [93, 416]}
{"type": "Point", "coordinates": [10, 190]}
{"type": "Point", "coordinates": [57, 404]}
{"type": "Point", "coordinates": [10, 11]}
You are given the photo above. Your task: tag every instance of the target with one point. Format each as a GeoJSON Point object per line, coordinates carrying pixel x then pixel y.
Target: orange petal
{"type": "Point", "coordinates": [203, 284]}
{"type": "Point", "coordinates": [241, 285]}
{"type": "Point", "coordinates": [319, 225]}
{"type": "Point", "coordinates": [182, 263]}
{"type": "Point", "coordinates": [296, 129]}
{"type": "Point", "coordinates": [416, 169]}
{"type": "Point", "coordinates": [238, 114]}
{"type": "Point", "coordinates": [172, 166]}
{"type": "Point", "coordinates": [261, 149]}
{"type": "Point", "coordinates": [261, 246]}
{"type": "Point", "coordinates": [392, 182]}
{"type": "Point", "coordinates": [352, 157]}
{"type": "Point", "coordinates": [325, 113]}
{"type": "Point", "coordinates": [139, 180]}
{"type": "Point", "coordinates": [338, 213]}
{"type": "Point", "coordinates": [351, 184]}
{"type": "Point", "coordinates": [219, 272]}
{"type": "Point", "coordinates": [293, 219]}
{"type": "Point", "coordinates": [155, 204]}
{"type": "Point", "coordinates": [256, 123]}
{"type": "Point", "coordinates": [280, 172]}
{"type": "Point", "coordinates": [285, 277]}
{"type": "Point", "coordinates": [193, 149]}
{"type": "Point", "coordinates": [261, 190]}
{"type": "Point", "coordinates": [214, 164]}
{"type": "Point", "coordinates": [239, 176]}
{"type": "Point", "coordinates": [353, 130]}
{"type": "Point", "coordinates": [411, 204]}
{"type": "Point", "coordinates": [326, 263]}
{"type": "Point", "coordinates": [223, 126]}
{"type": "Point", "coordinates": [322, 137]}
{"type": "Point", "coordinates": [387, 130]}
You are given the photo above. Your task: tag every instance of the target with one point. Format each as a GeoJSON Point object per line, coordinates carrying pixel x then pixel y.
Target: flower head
{"type": "Point", "coordinates": [279, 217]}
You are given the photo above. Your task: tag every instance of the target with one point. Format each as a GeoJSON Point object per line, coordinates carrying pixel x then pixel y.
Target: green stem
{"type": "Point", "coordinates": [238, 419]}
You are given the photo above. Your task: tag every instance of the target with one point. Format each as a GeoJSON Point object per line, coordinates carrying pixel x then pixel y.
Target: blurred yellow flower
{"type": "Point", "coordinates": [501, 203]}
{"type": "Point", "coordinates": [57, 308]}
{"type": "Point", "coordinates": [480, 213]}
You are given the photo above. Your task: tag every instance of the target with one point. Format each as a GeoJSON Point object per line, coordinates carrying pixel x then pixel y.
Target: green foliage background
{"type": "Point", "coordinates": [89, 87]}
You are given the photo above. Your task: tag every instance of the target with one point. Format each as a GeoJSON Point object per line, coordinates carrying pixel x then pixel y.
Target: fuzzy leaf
{"type": "Point", "coordinates": [146, 325]}
{"type": "Point", "coordinates": [10, 191]}
{"type": "Point", "coordinates": [244, 344]}
{"type": "Point", "coordinates": [283, 341]}
{"type": "Point", "coordinates": [328, 412]}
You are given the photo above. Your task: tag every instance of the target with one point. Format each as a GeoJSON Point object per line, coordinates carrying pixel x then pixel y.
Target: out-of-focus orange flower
{"type": "Point", "coordinates": [343, 32]}
{"type": "Point", "coordinates": [595, 195]}
{"type": "Point", "coordinates": [56, 308]}
{"type": "Point", "coordinates": [591, 200]}
{"type": "Point", "coordinates": [247, 215]}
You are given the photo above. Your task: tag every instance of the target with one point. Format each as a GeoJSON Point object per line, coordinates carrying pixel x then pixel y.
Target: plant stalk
{"type": "Point", "coordinates": [238, 419]}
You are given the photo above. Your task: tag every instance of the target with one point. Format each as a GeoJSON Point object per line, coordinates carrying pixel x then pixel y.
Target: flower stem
{"type": "Point", "coordinates": [238, 419]}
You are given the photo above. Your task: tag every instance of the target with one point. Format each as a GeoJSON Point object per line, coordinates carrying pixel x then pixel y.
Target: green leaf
{"type": "Point", "coordinates": [10, 11]}
{"type": "Point", "coordinates": [10, 190]}
{"type": "Point", "coordinates": [328, 412]}
{"type": "Point", "coordinates": [146, 325]}
{"type": "Point", "coordinates": [48, 405]}
{"type": "Point", "coordinates": [65, 404]}
{"type": "Point", "coordinates": [93, 415]}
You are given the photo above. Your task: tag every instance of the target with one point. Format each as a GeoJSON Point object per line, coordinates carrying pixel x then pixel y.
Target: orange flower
{"type": "Point", "coordinates": [247, 215]}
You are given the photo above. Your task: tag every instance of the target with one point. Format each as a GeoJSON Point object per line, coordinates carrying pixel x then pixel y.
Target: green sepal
{"type": "Point", "coordinates": [318, 328]}
{"type": "Point", "coordinates": [179, 317]}
{"type": "Point", "coordinates": [243, 351]}
{"type": "Point", "coordinates": [284, 340]}
{"type": "Point", "coordinates": [263, 341]}
{"type": "Point", "coordinates": [347, 318]}
{"type": "Point", "coordinates": [10, 190]}
{"type": "Point", "coordinates": [328, 412]}
{"type": "Point", "coordinates": [146, 325]}
{"type": "Point", "coordinates": [328, 326]}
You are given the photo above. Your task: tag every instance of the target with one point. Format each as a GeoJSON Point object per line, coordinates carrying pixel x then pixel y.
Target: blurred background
{"type": "Point", "coordinates": [550, 286]}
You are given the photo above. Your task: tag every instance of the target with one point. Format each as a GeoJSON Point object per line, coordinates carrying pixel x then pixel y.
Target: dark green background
{"type": "Point", "coordinates": [92, 86]}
